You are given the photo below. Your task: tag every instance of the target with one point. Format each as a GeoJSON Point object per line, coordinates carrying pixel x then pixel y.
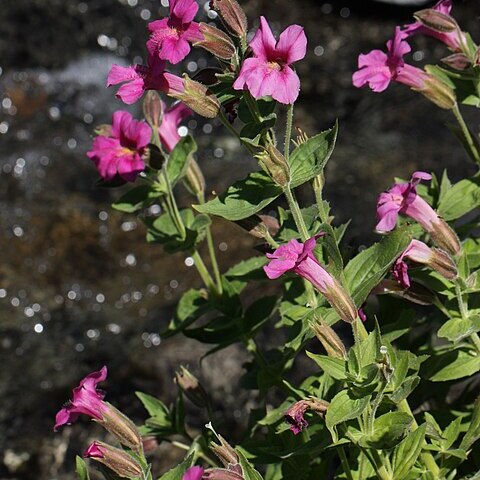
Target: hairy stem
{"type": "Point", "coordinates": [466, 133]}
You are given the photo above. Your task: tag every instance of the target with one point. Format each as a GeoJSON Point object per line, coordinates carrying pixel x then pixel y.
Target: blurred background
{"type": "Point", "coordinates": [79, 286]}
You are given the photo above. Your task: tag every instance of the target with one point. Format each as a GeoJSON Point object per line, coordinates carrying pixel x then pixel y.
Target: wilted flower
{"type": "Point", "coordinates": [193, 473]}
{"type": "Point", "coordinates": [295, 416]}
{"type": "Point", "coordinates": [419, 252]}
{"type": "Point", "coordinates": [454, 38]}
{"type": "Point", "coordinates": [120, 149]}
{"type": "Point", "coordinates": [139, 78]}
{"type": "Point", "coordinates": [117, 460]}
{"type": "Point", "coordinates": [171, 119]}
{"type": "Point", "coordinates": [170, 37]}
{"type": "Point", "coordinates": [89, 401]}
{"type": "Point", "coordinates": [268, 72]}
{"type": "Point", "coordinates": [299, 258]}
{"type": "Point", "coordinates": [402, 198]}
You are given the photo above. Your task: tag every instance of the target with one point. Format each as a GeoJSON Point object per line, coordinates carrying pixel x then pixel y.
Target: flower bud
{"type": "Point", "coordinates": [191, 387]}
{"type": "Point", "coordinates": [225, 453]}
{"type": "Point", "coordinates": [194, 179]}
{"type": "Point", "coordinates": [197, 97]}
{"type": "Point", "coordinates": [152, 108]}
{"type": "Point", "coordinates": [438, 92]}
{"type": "Point", "coordinates": [443, 236]}
{"type": "Point", "coordinates": [436, 21]}
{"type": "Point", "coordinates": [232, 14]}
{"type": "Point", "coordinates": [104, 130]}
{"type": "Point", "coordinates": [457, 61]}
{"type": "Point", "coordinates": [416, 293]}
{"type": "Point", "coordinates": [121, 427]}
{"type": "Point", "coordinates": [260, 226]}
{"type": "Point", "coordinates": [216, 42]}
{"type": "Point", "coordinates": [115, 459]}
{"type": "Point", "coordinates": [330, 340]}
{"type": "Point", "coordinates": [274, 163]}
{"type": "Point", "coordinates": [221, 474]}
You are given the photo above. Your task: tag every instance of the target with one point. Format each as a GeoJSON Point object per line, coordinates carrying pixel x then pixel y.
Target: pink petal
{"type": "Point", "coordinates": [417, 177]}
{"type": "Point", "coordinates": [193, 33]}
{"type": "Point", "coordinates": [129, 166]}
{"type": "Point", "coordinates": [131, 91]}
{"type": "Point", "coordinates": [119, 74]}
{"type": "Point", "coordinates": [183, 10]}
{"type": "Point", "coordinates": [277, 267]}
{"type": "Point", "coordinates": [174, 49]}
{"type": "Point", "coordinates": [263, 43]}
{"type": "Point", "coordinates": [173, 84]}
{"type": "Point", "coordinates": [143, 135]}
{"type": "Point", "coordinates": [193, 473]}
{"type": "Point", "coordinates": [375, 58]}
{"type": "Point", "coordinates": [249, 66]}
{"type": "Point", "coordinates": [94, 450]}
{"type": "Point", "coordinates": [292, 44]}
{"type": "Point", "coordinates": [378, 78]}
{"type": "Point", "coordinates": [285, 85]}
{"type": "Point", "coordinates": [158, 25]}
{"type": "Point", "coordinates": [120, 118]}
{"type": "Point", "coordinates": [64, 417]}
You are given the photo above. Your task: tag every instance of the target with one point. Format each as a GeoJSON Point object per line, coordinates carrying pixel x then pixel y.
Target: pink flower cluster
{"type": "Point", "coordinates": [378, 69]}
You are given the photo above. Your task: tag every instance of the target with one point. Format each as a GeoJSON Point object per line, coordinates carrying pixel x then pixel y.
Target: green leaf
{"type": "Point", "coordinates": [254, 129]}
{"type": "Point", "coordinates": [309, 158]}
{"type": "Point", "coordinates": [177, 163]}
{"type": "Point", "coordinates": [191, 306]}
{"type": "Point", "coordinates": [335, 367]}
{"type": "Point", "coordinates": [463, 197]}
{"type": "Point", "coordinates": [407, 452]}
{"type": "Point", "coordinates": [343, 407]}
{"type": "Point", "coordinates": [388, 430]}
{"type": "Point", "coordinates": [451, 366]}
{"type": "Point", "coordinates": [178, 472]}
{"type": "Point", "coordinates": [248, 471]}
{"type": "Point", "coordinates": [244, 198]}
{"type": "Point", "coordinates": [136, 198]}
{"type": "Point", "coordinates": [405, 389]}
{"type": "Point", "coordinates": [154, 406]}
{"type": "Point", "coordinates": [81, 468]}
{"type": "Point", "coordinates": [369, 267]}
{"type": "Point", "coordinates": [457, 329]}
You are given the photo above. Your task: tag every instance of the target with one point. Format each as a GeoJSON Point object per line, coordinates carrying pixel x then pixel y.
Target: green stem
{"type": "Point", "coordinates": [288, 132]}
{"type": "Point", "coordinates": [203, 272]}
{"type": "Point", "coordinates": [297, 214]}
{"type": "Point", "coordinates": [211, 251]}
{"type": "Point", "coordinates": [380, 467]}
{"type": "Point", "coordinates": [463, 307]}
{"type": "Point", "coordinates": [466, 133]}
{"type": "Point", "coordinates": [318, 189]}
{"type": "Point", "coordinates": [427, 458]}
{"type": "Point", "coordinates": [345, 465]}
{"type": "Point", "coordinates": [302, 229]}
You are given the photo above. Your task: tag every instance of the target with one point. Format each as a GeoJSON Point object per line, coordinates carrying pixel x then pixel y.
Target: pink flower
{"type": "Point", "coordinates": [193, 473]}
{"type": "Point", "coordinates": [86, 399]}
{"type": "Point", "coordinates": [268, 72]}
{"type": "Point", "coordinates": [121, 151]}
{"type": "Point", "coordinates": [299, 258]}
{"type": "Point", "coordinates": [139, 78]}
{"type": "Point", "coordinates": [170, 37]}
{"type": "Point", "coordinates": [378, 68]}
{"type": "Point", "coordinates": [402, 198]}
{"type": "Point", "coordinates": [419, 252]}
{"type": "Point", "coordinates": [295, 416]}
{"type": "Point", "coordinates": [171, 119]}
{"type": "Point", "coordinates": [119, 461]}
{"type": "Point", "coordinates": [454, 40]}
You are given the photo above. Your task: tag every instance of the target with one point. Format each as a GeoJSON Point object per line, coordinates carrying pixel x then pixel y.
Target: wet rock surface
{"type": "Point", "coordinates": [79, 287]}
